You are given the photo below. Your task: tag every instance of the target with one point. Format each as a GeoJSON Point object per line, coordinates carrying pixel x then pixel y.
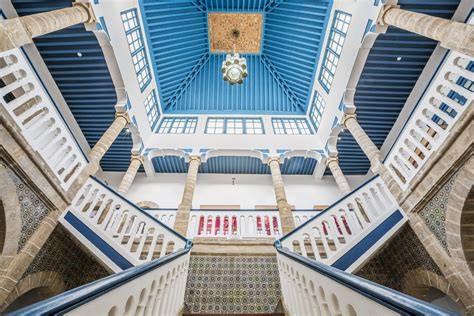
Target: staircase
{"type": "Point", "coordinates": [157, 275]}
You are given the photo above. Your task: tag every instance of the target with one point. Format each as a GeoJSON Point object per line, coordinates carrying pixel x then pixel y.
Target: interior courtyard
{"type": "Point", "coordinates": [236, 157]}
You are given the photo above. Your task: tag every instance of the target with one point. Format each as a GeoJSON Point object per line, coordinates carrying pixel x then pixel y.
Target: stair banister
{"type": "Point", "coordinates": [119, 232]}
{"type": "Point", "coordinates": [102, 296]}
{"type": "Point", "coordinates": [317, 286]}
{"type": "Point", "coordinates": [346, 233]}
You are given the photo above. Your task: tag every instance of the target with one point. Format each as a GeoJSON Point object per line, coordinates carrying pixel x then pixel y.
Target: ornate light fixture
{"type": "Point", "coordinates": [234, 67]}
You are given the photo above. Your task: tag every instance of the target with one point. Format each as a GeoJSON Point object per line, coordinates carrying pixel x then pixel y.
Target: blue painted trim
{"type": "Point", "coordinates": [396, 301]}
{"type": "Point", "coordinates": [353, 254]}
{"type": "Point", "coordinates": [67, 301]}
{"type": "Point", "coordinates": [98, 242]}
{"type": "Point", "coordinates": [104, 26]}
{"type": "Point", "coordinates": [328, 208]}
{"type": "Point", "coordinates": [139, 209]}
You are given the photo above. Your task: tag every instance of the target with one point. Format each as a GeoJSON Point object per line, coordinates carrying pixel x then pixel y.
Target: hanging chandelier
{"type": "Point", "coordinates": [234, 67]}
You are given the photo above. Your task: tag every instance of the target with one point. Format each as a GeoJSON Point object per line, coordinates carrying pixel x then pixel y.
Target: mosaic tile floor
{"type": "Point", "coordinates": [232, 285]}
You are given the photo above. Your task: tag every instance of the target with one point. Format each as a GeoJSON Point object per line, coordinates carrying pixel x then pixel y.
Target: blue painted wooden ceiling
{"type": "Point", "coordinates": [235, 165]}
{"type": "Point", "coordinates": [280, 77]}
{"type": "Point", "coordinates": [84, 82]}
{"type": "Point", "coordinates": [386, 83]}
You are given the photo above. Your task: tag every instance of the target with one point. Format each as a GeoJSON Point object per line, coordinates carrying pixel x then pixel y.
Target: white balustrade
{"type": "Point", "coordinates": [306, 292]}
{"type": "Point", "coordinates": [158, 292]}
{"type": "Point", "coordinates": [303, 216]}
{"type": "Point", "coordinates": [26, 100]}
{"type": "Point", "coordinates": [166, 216]}
{"type": "Point", "coordinates": [448, 96]}
{"type": "Point", "coordinates": [332, 232]}
{"type": "Point", "coordinates": [132, 232]}
{"type": "Point", "coordinates": [234, 223]}
{"type": "Point", "coordinates": [231, 223]}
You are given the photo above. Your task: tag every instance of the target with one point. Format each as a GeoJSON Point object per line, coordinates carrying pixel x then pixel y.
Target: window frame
{"type": "Point", "coordinates": [224, 127]}
{"type": "Point", "coordinates": [316, 112]}
{"type": "Point", "coordinates": [334, 47]}
{"type": "Point", "coordinates": [136, 47]}
{"type": "Point", "coordinates": [177, 125]}
{"type": "Point", "coordinates": [283, 126]}
{"type": "Point", "coordinates": [151, 108]}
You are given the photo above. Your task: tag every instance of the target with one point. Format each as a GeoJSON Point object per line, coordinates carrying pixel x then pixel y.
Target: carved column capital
{"type": "Point", "coordinates": [332, 159]}
{"type": "Point", "coordinates": [195, 158]}
{"type": "Point", "coordinates": [272, 159]}
{"type": "Point", "coordinates": [88, 8]}
{"type": "Point", "coordinates": [347, 117]}
{"type": "Point", "coordinates": [123, 115]}
{"type": "Point", "coordinates": [137, 157]}
{"type": "Point", "coordinates": [383, 12]}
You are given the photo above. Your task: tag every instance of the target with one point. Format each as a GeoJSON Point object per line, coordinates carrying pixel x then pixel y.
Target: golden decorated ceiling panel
{"type": "Point", "coordinates": [222, 25]}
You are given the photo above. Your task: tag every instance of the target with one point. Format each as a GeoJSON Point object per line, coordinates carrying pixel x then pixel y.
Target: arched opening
{"type": "Point", "coordinates": [32, 296]}
{"type": "Point", "coordinates": [10, 214]}
{"type": "Point", "coordinates": [34, 288]}
{"type": "Point", "coordinates": [467, 230]}
{"type": "Point", "coordinates": [460, 218]}
{"type": "Point", "coordinates": [3, 226]}
{"type": "Point", "coordinates": [433, 288]}
{"type": "Point", "coordinates": [437, 297]}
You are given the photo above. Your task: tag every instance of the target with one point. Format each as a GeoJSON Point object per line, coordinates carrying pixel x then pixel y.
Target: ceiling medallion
{"type": "Point", "coordinates": [234, 67]}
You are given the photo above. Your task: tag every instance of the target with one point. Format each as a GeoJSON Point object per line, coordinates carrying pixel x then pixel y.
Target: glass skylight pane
{"type": "Point", "coordinates": [136, 47]}
{"type": "Point", "coordinates": [334, 47]}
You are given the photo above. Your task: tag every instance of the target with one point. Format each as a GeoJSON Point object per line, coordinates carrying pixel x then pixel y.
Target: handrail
{"type": "Point", "coordinates": [71, 299]}
{"type": "Point", "coordinates": [389, 298]}
{"type": "Point", "coordinates": [322, 212]}
{"type": "Point", "coordinates": [139, 208]}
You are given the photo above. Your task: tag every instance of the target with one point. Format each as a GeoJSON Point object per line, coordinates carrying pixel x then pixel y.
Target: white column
{"type": "Point", "coordinates": [184, 208]}
{"type": "Point", "coordinates": [127, 180]}
{"type": "Point", "coordinates": [333, 164]}
{"type": "Point", "coordinates": [19, 31]}
{"type": "Point", "coordinates": [451, 34]}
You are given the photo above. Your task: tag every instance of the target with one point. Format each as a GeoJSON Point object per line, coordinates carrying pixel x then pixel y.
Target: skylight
{"type": "Point", "coordinates": [137, 49]}
{"type": "Point", "coordinates": [234, 126]}
{"type": "Point", "coordinates": [151, 107]}
{"type": "Point", "coordinates": [178, 125]}
{"type": "Point", "coordinates": [291, 126]}
{"type": "Point", "coordinates": [339, 28]}
{"type": "Point", "coordinates": [317, 109]}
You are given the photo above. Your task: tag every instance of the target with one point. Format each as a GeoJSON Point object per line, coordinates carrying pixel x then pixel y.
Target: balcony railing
{"type": "Point", "coordinates": [27, 102]}
{"type": "Point", "coordinates": [123, 234]}
{"type": "Point", "coordinates": [235, 224]}
{"type": "Point", "coordinates": [448, 96]}
{"type": "Point", "coordinates": [345, 233]}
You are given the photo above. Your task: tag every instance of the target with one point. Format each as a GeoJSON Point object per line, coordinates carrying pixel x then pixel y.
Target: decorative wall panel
{"type": "Point", "coordinates": [232, 285]}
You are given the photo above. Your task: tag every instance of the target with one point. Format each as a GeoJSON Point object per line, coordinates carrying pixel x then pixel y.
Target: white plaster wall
{"type": "Point", "coordinates": [216, 189]}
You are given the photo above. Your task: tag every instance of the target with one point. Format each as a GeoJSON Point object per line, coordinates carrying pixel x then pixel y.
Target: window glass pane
{"type": "Point", "coordinates": [291, 126]}
{"type": "Point", "coordinates": [137, 50]}
{"type": "Point", "coordinates": [175, 125]}
{"type": "Point", "coordinates": [335, 43]}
